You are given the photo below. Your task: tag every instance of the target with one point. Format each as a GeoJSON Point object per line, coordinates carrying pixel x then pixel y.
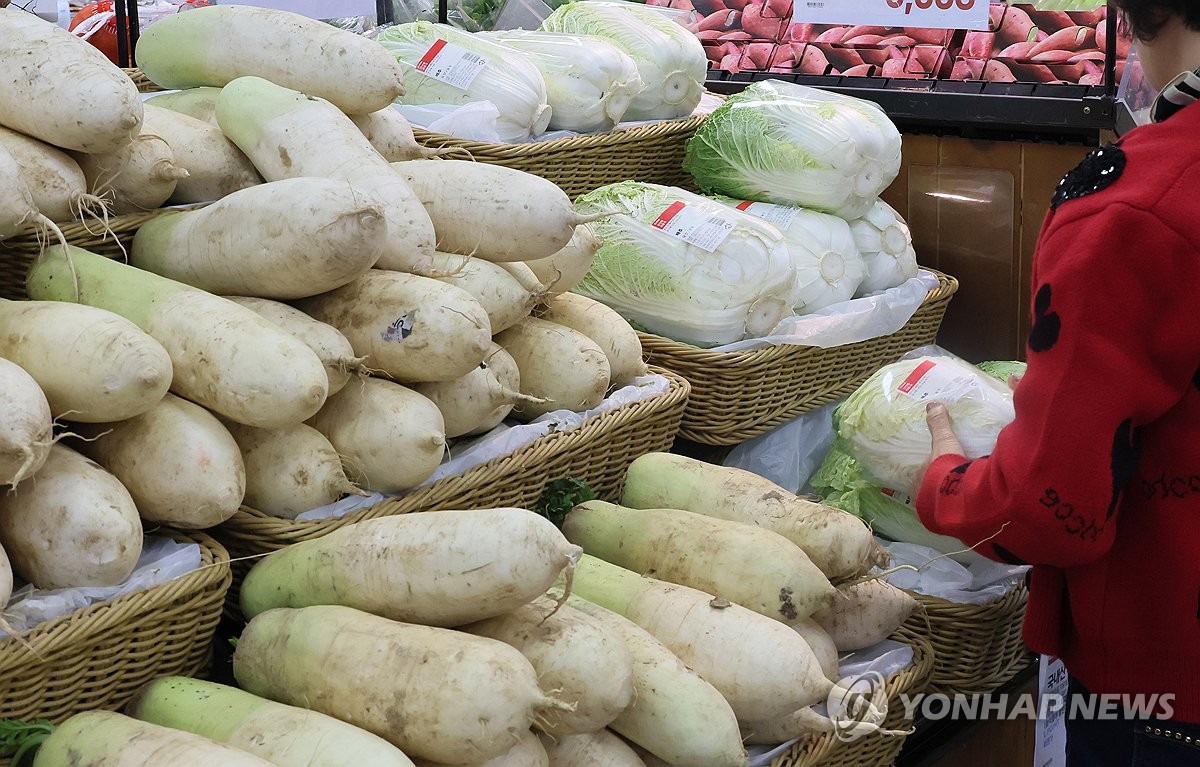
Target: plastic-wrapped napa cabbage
{"type": "Point", "coordinates": [887, 248]}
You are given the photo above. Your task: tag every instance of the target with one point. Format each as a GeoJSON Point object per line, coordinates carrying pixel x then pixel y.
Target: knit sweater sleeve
{"type": "Point", "coordinates": [1115, 345]}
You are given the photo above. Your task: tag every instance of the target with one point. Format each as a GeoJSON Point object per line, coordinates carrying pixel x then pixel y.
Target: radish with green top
{"type": "Point", "coordinates": [140, 176]}
{"type": "Point", "coordinates": [565, 269]}
{"type": "Point", "coordinates": [215, 166]}
{"type": "Point", "coordinates": [391, 439]}
{"type": "Point", "coordinates": [609, 330]}
{"type": "Point", "coordinates": [755, 568]}
{"type": "Point", "coordinates": [392, 136]}
{"type": "Point", "coordinates": [225, 357]}
{"type": "Point", "coordinates": [582, 660]}
{"type": "Point", "coordinates": [72, 524]}
{"type": "Point", "coordinates": [436, 694]}
{"type": "Point", "coordinates": [479, 401]}
{"type": "Point", "coordinates": [54, 179]}
{"type": "Point", "coordinates": [281, 734]}
{"type": "Point", "coordinates": [288, 134]}
{"type": "Point", "coordinates": [864, 614]}
{"type": "Point", "coordinates": [527, 753]}
{"type": "Point", "coordinates": [311, 235]}
{"type": "Point", "coordinates": [199, 103]}
{"type": "Point", "coordinates": [180, 465]}
{"type": "Point", "coordinates": [26, 426]}
{"type": "Point", "coordinates": [593, 749]}
{"type": "Point", "coordinates": [436, 568]}
{"type": "Point", "coordinates": [563, 368]}
{"type": "Point", "coordinates": [502, 295]}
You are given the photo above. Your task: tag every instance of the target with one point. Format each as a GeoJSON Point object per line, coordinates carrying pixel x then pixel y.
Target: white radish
{"type": "Point", "coordinates": [821, 644]}
{"type": "Point", "coordinates": [609, 330]}
{"type": "Point", "coordinates": [17, 211]}
{"type": "Point", "coordinates": [411, 328]}
{"type": "Point", "coordinates": [392, 135]}
{"type": "Point", "coordinates": [390, 438]}
{"type": "Point", "coordinates": [311, 235]}
{"type": "Point", "coordinates": [214, 164]}
{"type": "Point", "coordinates": [560, 366]}
{"type": "Point", "coordinates": [140, 176]}
{"type": "Point", "coordinates": [71, 524]}
{"type": "Point", "coordinates": [521, 272]}
{"type": "Point", "coordinates": [55, 180]}
{"type": "Point", "coordinates": [6, 579]}
{"type": "Point", "coordinates": [26, 426]}
{"type": "Point", "coordinates": [199, 103]}
{"type": "Point", "coordinates": [492, 212]}
{"type": "Point", "coordinates": [289, 134]}
{"type": "Point", "coordinates": [291, 470]}
{"type": "Point", "coordinates": [180, 465]}
{"type": "Point", "coordinates": [527, 753]}
{"type": "Point", "coordinates": [593, 749]}
{"type": "Point", "coordinates": [798, 724]}
{"type": "Point", "coordinates": [565, 269]}
{"type": "Point", "coordinates": [479, 401]}
{"type": "Point", "coordinates": [501, 295]}
{"type": "Point", "coordinates": [330, 346]}
{"type": "Point", "coordinates": [62, 90]}
{"type": "Point", "coordinates": [864, 614]}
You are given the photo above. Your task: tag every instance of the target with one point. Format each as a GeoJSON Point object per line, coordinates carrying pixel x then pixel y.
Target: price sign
{"type": "Point", "coordinates": [926, 14]}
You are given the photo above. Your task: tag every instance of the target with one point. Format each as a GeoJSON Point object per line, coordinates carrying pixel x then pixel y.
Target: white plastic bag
{"type": "Point", "coordinates": [939, 576]}
{"type": "Point", "coordinates": [790, 454]}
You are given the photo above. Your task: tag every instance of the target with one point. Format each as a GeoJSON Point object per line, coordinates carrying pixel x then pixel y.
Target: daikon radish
{"type": "Point", "coordinates": [222, 43]}
{"type": "Point", "coordinates": [289, 134]}
{"type": "Point", "coordinates": [6, 579]}
{"type": "Point", "coordinates": [560, 366]}
{"type": "Point", "coordinates": [51, 340]}
{"type": "Point", "coordinates": [17, 211]}
{"type": "Point", "coordinates": [837, 542]}
{"type": "Point", "coordinates": [411, 328]}
{"type": "Point", "coordinates": [200, 103]}
{"type": "Point", "coordinates": [527, 753]}
{"type": "Point", "coordinates": [390, 438]}
{"type": "Point", "coordinates": [593, 749]}
{"type": "Point", "coordinates": [492, 212]}
{"type": "Point", "coordinates": [479, 401]}
{"type": "Point", "coordinates": [140, 176]}
{"type": "Point", "coordinates": [109, 739]}
{"type": "Point", "coordinates": [225, 357]}
{"type": "Point", "coordinates": [71, 524]}
{"type": "Point", "coordinates": [291, 470]}
{"type": "Point", "coordinates": [566, 268]}
{"type": "Point", "coordinates": [675, 714]}
{"type": "Point", "coordinates": [821, 644]}
{"type": "Point", "coordinates": [609, 330]}
{"type": "Point", "coordinates": [26, 427]}
{"type": "Point", "coordinates": [521, 272]}
{"type": "Point", "coordinates": [501, 295]}
{"type": "Point", "coordinates": [761, 667]}
{"type": "Point", "coordinates": [281, 734]}
{"type": "Point", "coordinates": [797, 724]}
{"type": "Point", "coordinates": [54, 179]}
{"type": "Point", "coordinates": [755, 568]}
{"type": "Point", "coordinates": [62, 90]}
{"type": "Point", "coordinates": [215, 166]}
{"type": "Point", "coordinates": [392, 136]}
{"type": "Point", "coordinates": [436, 568]}
{"type": "Point", "coordinates": [582, 660]}
{"type": "Point", "coordinates": [311, 235]}
{"type": "Point", "coordinates": [180, 465]}
{"type": "Point", "coordinates": [434, 693]}
{"type": "Point", "coordinates": [330, 346]}
{"type": "Point", "coordinates": [865, 614]}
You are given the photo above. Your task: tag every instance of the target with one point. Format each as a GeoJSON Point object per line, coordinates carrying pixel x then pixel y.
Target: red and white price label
{"type": "Point", "coordinates": [896, 495]}
{"type": "Point", "coordinates": [931, 381]}
{"type": "Point", "coordinates": [926, 14]}
{"type": "Point", "coordinates": [781, 216]}
{"type": "Point", "coordinates": [704, 230]}
{"type": "Point", "coordinates": [451, 64]}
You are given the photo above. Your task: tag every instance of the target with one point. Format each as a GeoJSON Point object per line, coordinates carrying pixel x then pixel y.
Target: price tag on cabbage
{"type": "Point", "coordinates": [925, 14]}
{"type": "Point", "coordinates": [781, 216]}
{"type": "Point", "coordinates": [451, 64]}
{"type": "Point", "coordinates": [930, 381]}
{"type": "Point", "coordinates": [704, 230]}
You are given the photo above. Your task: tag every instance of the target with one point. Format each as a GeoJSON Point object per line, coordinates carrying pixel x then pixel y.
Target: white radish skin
{"type": "Point", "coordinates": [311, 235]}
{"type": "Point", "coordinates": [62, 90]}
{"type": "Point", "coordinates": [527, 753]}
{"type": "Point", "coordinates": [583, 661]}
{"type": "Point", "coordinates": [291, 470]}
{"type": "Point", "coordinates": [797, 724]}
{"type": "Point", "coordinates": [561, 366]}
{"type": "Point", "coordinates": [565, 269]}
{"type": "Point", "coordinates": [521, 272]}
{"type": "Point", "coordinates": [129, 371]}
{"type": "Point", "coordinates": [17, 211]}
{"type": "Point", "coordinates": [609, 330]}
{"type": "Point", "coordinates": [501, 295]}
{"type": "Point", "coordinates": [288, 134]}
{"type": "Point", "coordinates": [330, 346]}
{"type": "Point", "coordinates": [26, 426]}
{"type": "Point", "coordinates": [463, 698]}
{"type": "Point", "coordinates": [675, 714]}
{"type": "Point", "coordinates": [72, 524]}
{"type": "Point", "coordinates": [392, 135]}
{"type": "Point", "coordinates": [138, 177]}
{"type": "Point", "coordinates": [199, 103]}
{"type": "Point", "coordinates": [593, 749]}
{"type": "Point", "coordinates": [391, 439]}
{"type": "Point", "coordinates": [108, 739]}
{"type": "Point", "coordinates": [821, 644]}
{"type": "Point", "coordinates": [56, 182]}
{"type": "Point", "coordinates": [180, 465]}
{"type": "Point", "coordinates": [492, 212]}
{"type": "Point", "coordinates": [435, 568]}
{"type": "Point", "coordinates": [223, 43]}
{"type": "Point", "coordinates": [6, 579]}
{"type": "Point", "coordinates": [215, 166]}
{"type": "Point", "coordinates": [479, 401]}
{"type": "Point", "coordinates": [865, 614]}
{"type": "Point", "coordinates": [411, 328]}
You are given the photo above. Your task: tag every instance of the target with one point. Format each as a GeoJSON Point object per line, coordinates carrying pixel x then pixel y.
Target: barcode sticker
{"type": "Point", "coordinates": [451, 64]}
{"type": "Point", "coordinates": [931, 381]}
{"type": "Point", "coordinates": [704, 230]}
{"type": "Point", "coordinates": [896, 495]}
{"type": "Point", "coordinates": [781, 216]}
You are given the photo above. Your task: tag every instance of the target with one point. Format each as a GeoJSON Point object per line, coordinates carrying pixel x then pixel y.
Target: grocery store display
{"type": "Point", "coordinates": [27, 425]}
{"type": "Point", "coordinates": [55, 181]}
{"type": "Point", "coordinates": [885, 242]}
{"type": "Point", "coordinates": [536, 345]}
{"type": "Point", "coordinates": [215, 166]}
{"type": "Point", "coordinates": [603, 326]}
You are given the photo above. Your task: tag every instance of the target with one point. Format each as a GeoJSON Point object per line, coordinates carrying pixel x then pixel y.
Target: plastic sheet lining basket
{"type": "Point", "coordinates": [977, 648]}
{"type": "Point", "coordinates": [874, 750]}
{"type": "Point", "coordinates": [739, 395]}
{"type": "Point", "coordinates": [97, 658]}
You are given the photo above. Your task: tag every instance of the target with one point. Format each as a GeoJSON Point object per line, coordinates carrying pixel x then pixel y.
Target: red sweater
{"type": "Point", "coordinates": [1097, 481]}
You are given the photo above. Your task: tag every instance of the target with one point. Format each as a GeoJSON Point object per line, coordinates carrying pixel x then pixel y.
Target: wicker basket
{"type": "Point", "coordinates": [97, 658]}
{"type": "Point", "coordinates": [977, 648]}
{"type": "Point", "coordinates": [872, 750]}
{"type": "Point", "coordinates": [142, 82]}
{"type": "Point", "coordinates": [740, 395]}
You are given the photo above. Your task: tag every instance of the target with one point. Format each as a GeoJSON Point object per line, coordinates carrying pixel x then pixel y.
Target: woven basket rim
{"type": "Point", "coordinates": [1006, 603]}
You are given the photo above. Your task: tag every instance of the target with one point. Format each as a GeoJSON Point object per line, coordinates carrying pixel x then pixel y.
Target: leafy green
{"type": "Point", "coordinates": [20, 740]}
{"type": "Point", "coordinates": [1002, 369]}
{"type": "Point", "coordinates": [562, 495]}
